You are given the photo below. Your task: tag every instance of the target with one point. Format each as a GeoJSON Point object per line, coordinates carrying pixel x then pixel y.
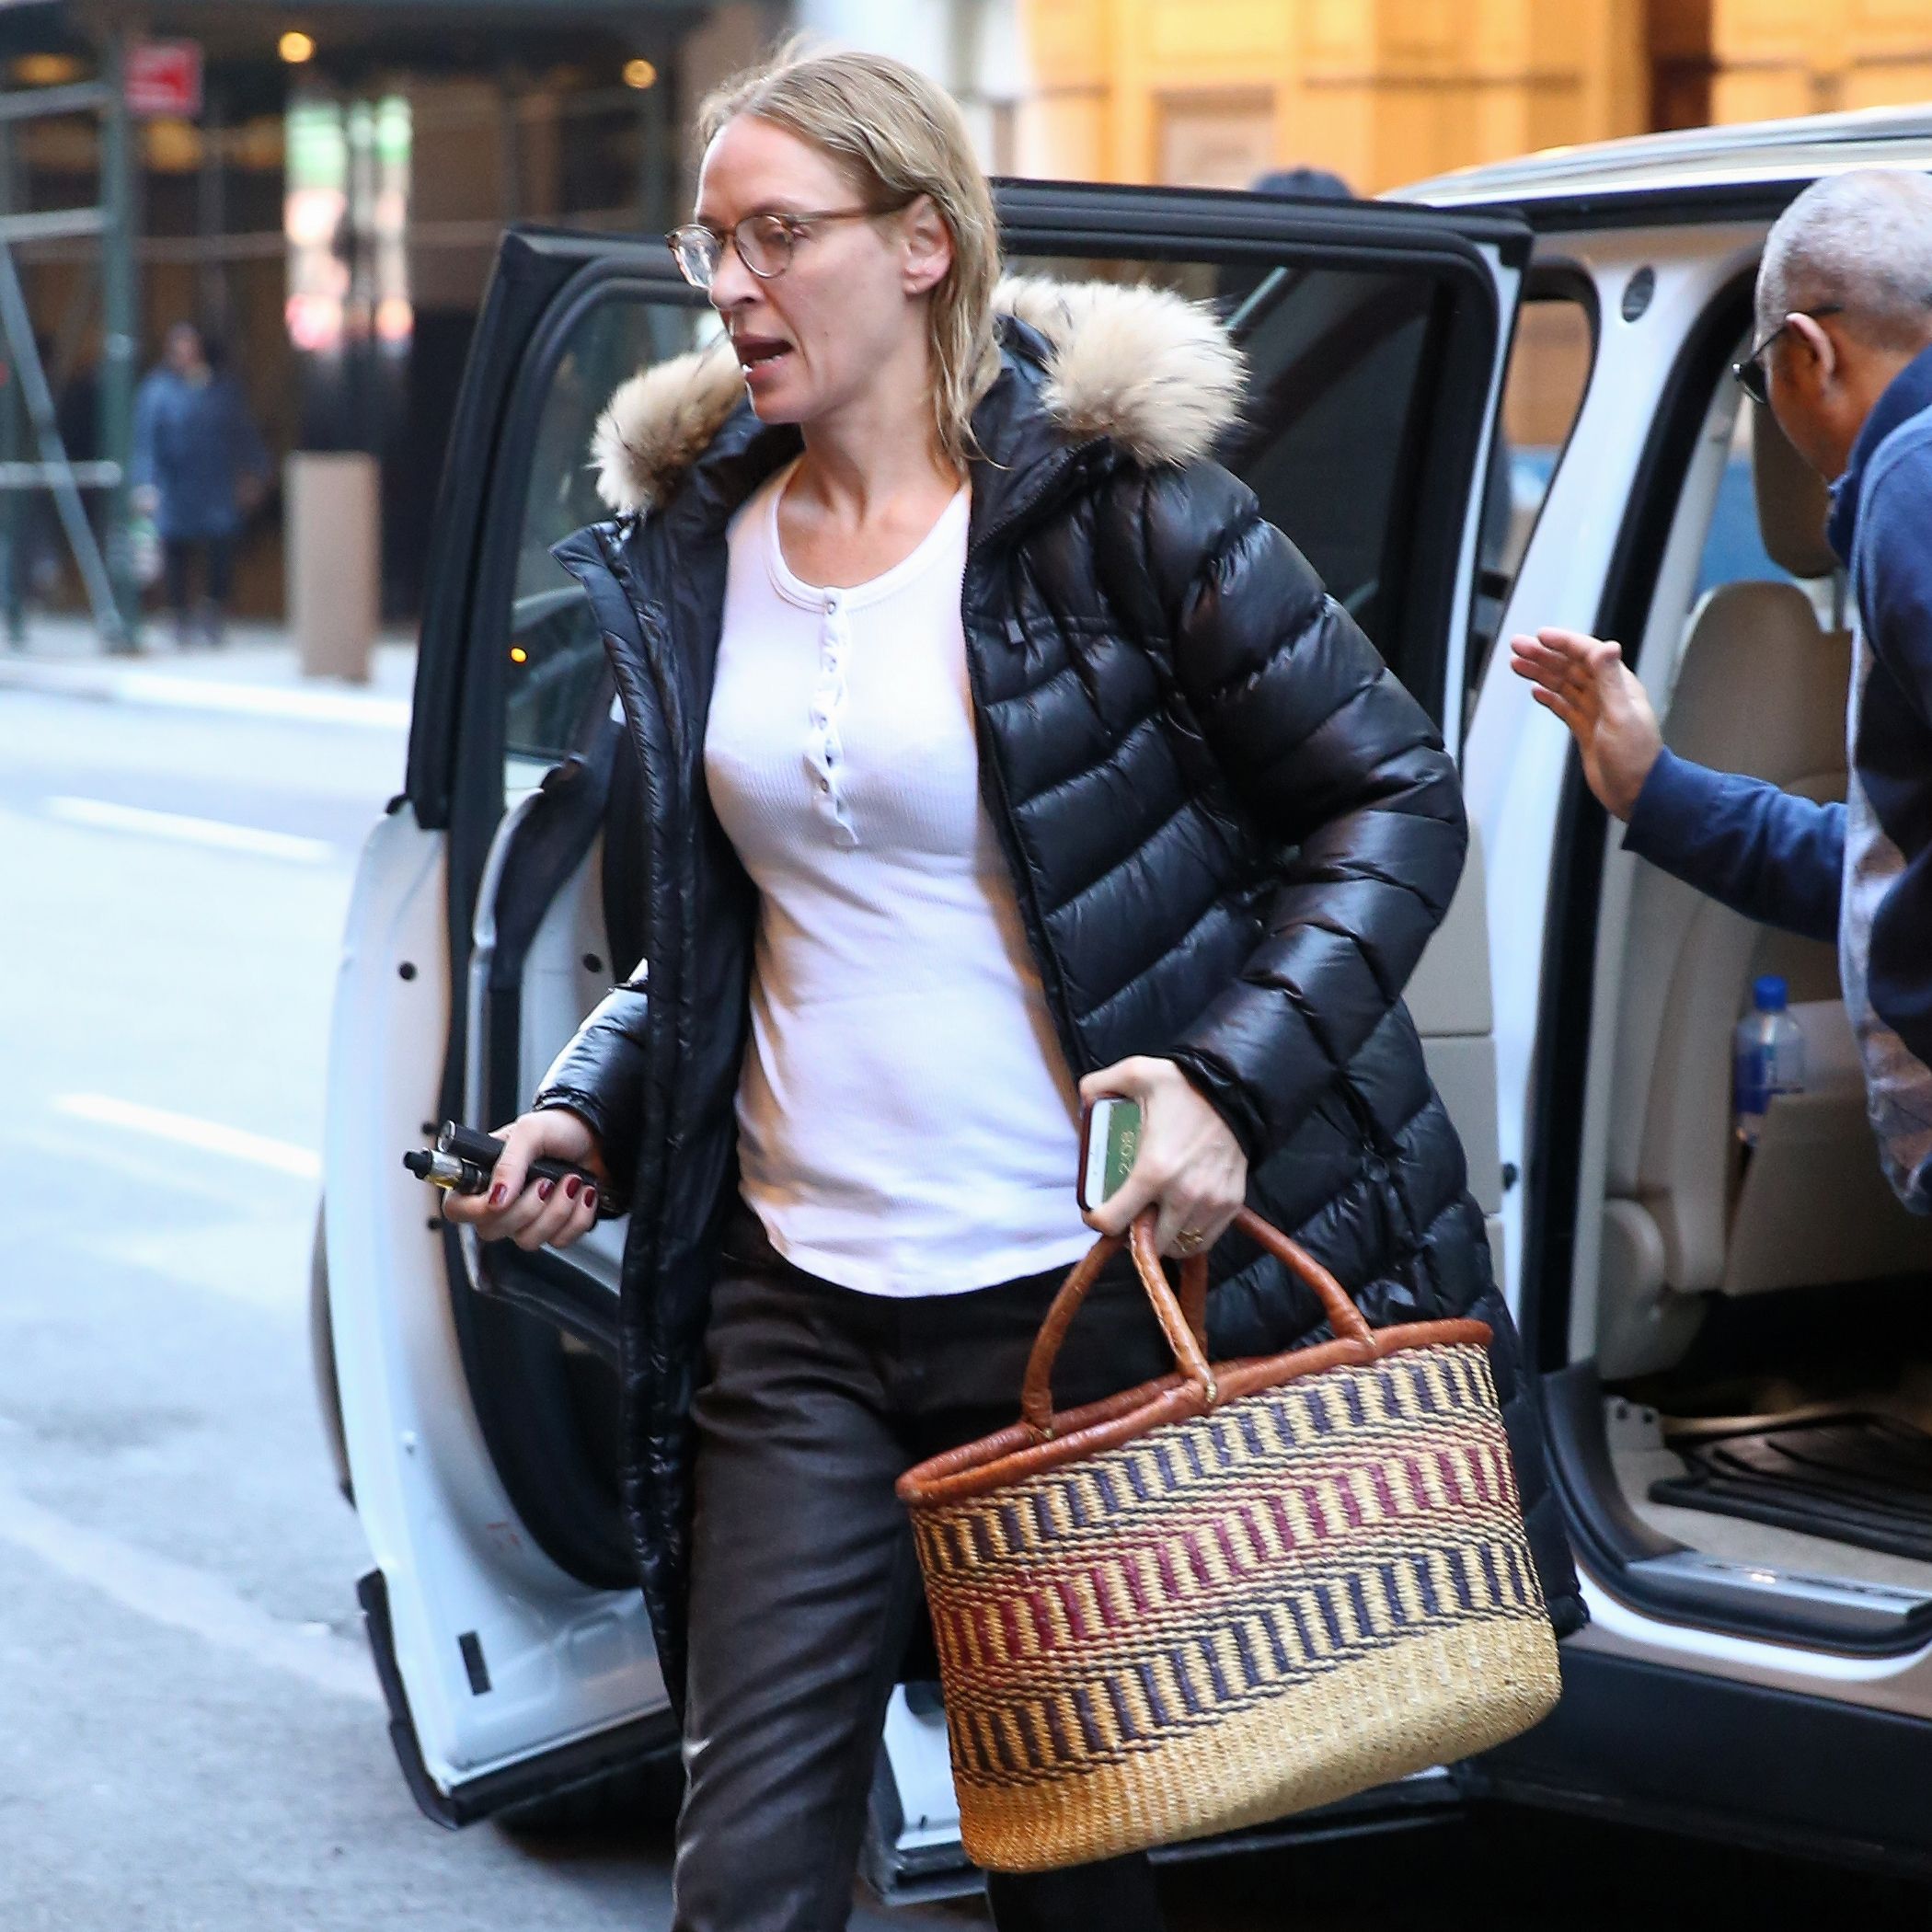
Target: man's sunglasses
{"type": "Point", "coordinates": [1750, 375]}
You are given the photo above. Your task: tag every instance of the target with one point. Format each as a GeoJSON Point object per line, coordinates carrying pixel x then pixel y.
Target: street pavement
{"type": "Point", "coordinates": [190, 1735]}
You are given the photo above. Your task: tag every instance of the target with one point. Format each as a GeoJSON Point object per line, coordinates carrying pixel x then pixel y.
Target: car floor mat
{"type": "Point", "coordinates": [1852, 1478]}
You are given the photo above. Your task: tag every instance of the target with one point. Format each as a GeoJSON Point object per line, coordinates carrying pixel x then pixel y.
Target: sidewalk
{"type": "Point", "coordinates": [253, 673]}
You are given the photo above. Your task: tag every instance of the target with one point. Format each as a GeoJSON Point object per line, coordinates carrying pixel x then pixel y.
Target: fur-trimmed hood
{"type": "Point", "coordinates": [1155, 374]}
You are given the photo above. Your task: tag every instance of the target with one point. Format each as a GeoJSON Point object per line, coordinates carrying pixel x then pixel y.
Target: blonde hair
{"type": "Point", "coordinates": [898, 135]}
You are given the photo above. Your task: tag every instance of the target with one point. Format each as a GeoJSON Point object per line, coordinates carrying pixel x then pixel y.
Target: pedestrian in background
{"type": "Point", "coordinates": [1842, 360]}
{"type": "Point", "coordinates": [200, 466]}
{"type": "Point", "coordinates": [1001, 755]}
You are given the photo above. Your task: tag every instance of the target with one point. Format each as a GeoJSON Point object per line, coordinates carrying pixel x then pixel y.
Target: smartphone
{"type": "Point", "coordinates": [1110, 1138]}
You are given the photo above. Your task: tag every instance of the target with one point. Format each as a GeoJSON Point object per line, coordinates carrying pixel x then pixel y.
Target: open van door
{"type": "Point", "coordinates": [494, 907]}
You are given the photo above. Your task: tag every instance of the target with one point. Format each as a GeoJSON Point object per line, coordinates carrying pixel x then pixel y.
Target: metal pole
{"type": "Point", "coordinates": [38, 398]}
{"type": "Point", "coordinates": [121, 342]}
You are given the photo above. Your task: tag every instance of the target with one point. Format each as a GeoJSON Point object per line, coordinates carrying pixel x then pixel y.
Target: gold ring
{"type": "Point", "coordinates": [1188, 1241]}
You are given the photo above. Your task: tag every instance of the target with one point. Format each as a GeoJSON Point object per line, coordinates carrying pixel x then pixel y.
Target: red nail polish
{"type": "Point", "coordinates": [590, 1197]}
{"type": "Point", "coordinates": [497, 1194]}
{"type": "Point", "coordinates": [571, 1187]}
{"type": "Point", "coordinates": [543, 1190]}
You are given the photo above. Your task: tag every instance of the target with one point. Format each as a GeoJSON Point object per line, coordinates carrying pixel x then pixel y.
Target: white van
{"type": "Point", "coordinates": [1497, 400]}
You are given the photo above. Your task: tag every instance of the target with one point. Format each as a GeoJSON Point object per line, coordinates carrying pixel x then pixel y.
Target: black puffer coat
{"type": "Point", "coordinates": [1231, 832]}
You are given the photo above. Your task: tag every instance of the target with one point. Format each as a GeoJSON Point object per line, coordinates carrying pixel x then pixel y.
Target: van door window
{"type": "Point", "coordinates": [1542, 397]}
{"type": "Point", "coordinates": [556, 661]}
{"type": "Point", "coordinates": [1343, 402]}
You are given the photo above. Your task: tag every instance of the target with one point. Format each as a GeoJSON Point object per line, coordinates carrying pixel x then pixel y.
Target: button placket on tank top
{"type": "Point", "coordinates": [824, 748]}
{"type": "Point", "coordinates": [841, 755]}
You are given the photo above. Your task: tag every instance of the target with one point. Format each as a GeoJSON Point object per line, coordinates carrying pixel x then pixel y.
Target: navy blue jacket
{"type": "Point", "coordinates": [194, 442]}
{"type": "Point", "coordinates": [1781, 859]}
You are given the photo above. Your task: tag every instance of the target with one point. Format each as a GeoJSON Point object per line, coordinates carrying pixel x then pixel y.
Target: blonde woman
{"type": "Point", "coordinates": [995, 753]}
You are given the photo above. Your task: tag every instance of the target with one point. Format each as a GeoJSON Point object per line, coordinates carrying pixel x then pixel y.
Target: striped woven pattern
{"type": "Point", "coordinates": [1300, 1594]}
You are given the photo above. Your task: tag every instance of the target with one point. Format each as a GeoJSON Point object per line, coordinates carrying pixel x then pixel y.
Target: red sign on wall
{"type": "Point", "coordinates": [164, 77]}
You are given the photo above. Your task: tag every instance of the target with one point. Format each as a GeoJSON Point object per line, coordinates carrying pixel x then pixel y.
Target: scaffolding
{"type": "Point", "coordinates": [102, 555]}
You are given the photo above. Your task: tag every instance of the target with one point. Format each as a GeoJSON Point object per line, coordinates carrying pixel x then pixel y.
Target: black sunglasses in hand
{"type": "Point", "coordinates": [1750, 375]}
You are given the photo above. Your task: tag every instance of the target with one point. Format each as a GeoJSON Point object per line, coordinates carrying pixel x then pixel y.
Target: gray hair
{"type": "Point", "coordinates": [1862, 239]}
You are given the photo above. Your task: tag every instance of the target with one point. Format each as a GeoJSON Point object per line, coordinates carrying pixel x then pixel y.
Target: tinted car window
{"type": "Point", "coordinates": [555, 656]}
{"type": "Point", "coordinates": [1542, 397]}
{"type": "Point", "coordinates": [1342, 389]}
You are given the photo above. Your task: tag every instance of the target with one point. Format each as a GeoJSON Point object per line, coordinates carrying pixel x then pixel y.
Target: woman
{"type": "Point", "coordinates": [990, 742]}
{"type": "Point", "coordinates": [200, 467]}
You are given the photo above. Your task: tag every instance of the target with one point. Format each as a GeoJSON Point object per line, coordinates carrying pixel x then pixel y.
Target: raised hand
{"type": "Point", "coordinates": [1586, 683]}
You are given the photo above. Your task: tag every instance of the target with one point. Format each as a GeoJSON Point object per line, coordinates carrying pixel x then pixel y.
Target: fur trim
{"type": "Point", "coordinates": [659, 422]}
{"type": "Point", "coordinates": [1149, 369]}
{"type": "Point", "coordinates": [1155, 372]}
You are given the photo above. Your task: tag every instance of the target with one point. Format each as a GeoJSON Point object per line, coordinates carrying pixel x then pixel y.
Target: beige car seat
{"type": "Point", "coordinates": [1760, 690]}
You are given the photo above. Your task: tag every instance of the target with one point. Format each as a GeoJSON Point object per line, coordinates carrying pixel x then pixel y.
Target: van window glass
{"type": "Point", "coordinates": [1343, 392]}
{"type": "Point", "coordinates": [1542, 397]}
{"type": "Point", "coordinates": [557, 660]}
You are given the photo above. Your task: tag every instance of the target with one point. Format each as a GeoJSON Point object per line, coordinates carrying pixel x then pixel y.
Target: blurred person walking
{"type": "Point", "coordinates": [200, 466]}
{"type": "Point", "coordinates": [999, 755]}
{"type": "Point", "coordinates": [1842, 360]}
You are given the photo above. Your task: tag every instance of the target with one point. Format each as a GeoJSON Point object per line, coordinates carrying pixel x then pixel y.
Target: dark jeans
{"type": "Point", "coordinates": [804, 1586]}
{"type": "Point", "coordinates": [177, 560]}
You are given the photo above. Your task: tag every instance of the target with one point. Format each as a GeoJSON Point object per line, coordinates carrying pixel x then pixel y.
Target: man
{"type": "Point", "coordinates": [198, 465]}
{"type": "Point", "coordinates": [1843, 357]}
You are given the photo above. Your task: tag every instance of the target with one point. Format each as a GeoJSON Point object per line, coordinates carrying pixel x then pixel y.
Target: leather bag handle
{"type": "Point", "coordinates": [1036, 1397]}
{"type": "Point", "coordinates": [1344, 1318]}
{"type": "Point", "coordinates": [1183, 1321]}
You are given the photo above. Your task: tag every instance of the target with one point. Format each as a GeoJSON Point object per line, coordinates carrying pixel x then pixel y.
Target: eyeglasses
{"type": "Point", "coordinates": [765, 242]}
{"type": "Point", "coordinates": [1750, 375]}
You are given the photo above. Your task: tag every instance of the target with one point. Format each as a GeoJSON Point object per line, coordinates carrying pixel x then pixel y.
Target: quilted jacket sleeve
{"type": "Point", "coordinates": [600, 1076]}
{"type": "Point", "coordinates": [1339, 767]}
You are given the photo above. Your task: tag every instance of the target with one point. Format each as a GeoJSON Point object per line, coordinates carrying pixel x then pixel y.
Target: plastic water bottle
{"type": "Point", "coordinates": [1767, 1056]}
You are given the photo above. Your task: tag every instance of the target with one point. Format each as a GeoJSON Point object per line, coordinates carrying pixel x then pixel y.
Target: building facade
{"type": "Point", "coordinates": [330, 208]}
{"type": "Point", "coordinates": [1216, 92]}
{"type": "Point", "coordinates": [328, 211]}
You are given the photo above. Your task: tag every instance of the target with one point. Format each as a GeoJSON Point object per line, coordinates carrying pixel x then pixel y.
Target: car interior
{"type": "Point", "coordinates": [1762, 1321]}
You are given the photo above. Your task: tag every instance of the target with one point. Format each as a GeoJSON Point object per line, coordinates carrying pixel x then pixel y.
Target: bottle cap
{"type": "Point", "coordinates": [1769, 992]}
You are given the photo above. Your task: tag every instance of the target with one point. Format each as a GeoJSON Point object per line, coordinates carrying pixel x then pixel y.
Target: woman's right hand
{"type": "Point", "coordinates": [545, 1214]}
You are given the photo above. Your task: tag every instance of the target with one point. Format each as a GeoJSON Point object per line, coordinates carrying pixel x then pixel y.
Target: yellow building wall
{"type": "Point", "coordinates": [1379, 91]}
{"type": "Point", "coordinates": [1214, 92]}
{"type": "Point", "coordinates": [1778, 57]}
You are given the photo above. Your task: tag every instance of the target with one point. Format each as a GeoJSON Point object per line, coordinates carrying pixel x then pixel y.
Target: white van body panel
{"type": "Point", "coordinates": [562, 1661]}
{"type": "Point", "coordinates": [1515, 761]}
{"type": "Point", "coordinates": [1513, 768]}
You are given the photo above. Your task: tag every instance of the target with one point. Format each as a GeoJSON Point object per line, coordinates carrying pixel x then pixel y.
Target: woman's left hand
{"type": "Point", "coordinates": [1189, 1165]}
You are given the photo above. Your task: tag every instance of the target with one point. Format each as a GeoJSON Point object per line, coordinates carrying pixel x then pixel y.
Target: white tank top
{"type": "Point", "coordinates": [907, 1125]}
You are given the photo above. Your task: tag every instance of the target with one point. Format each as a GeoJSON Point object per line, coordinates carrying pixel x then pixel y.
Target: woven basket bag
{"type": "Point", "coordinates": [1240, 1590]}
